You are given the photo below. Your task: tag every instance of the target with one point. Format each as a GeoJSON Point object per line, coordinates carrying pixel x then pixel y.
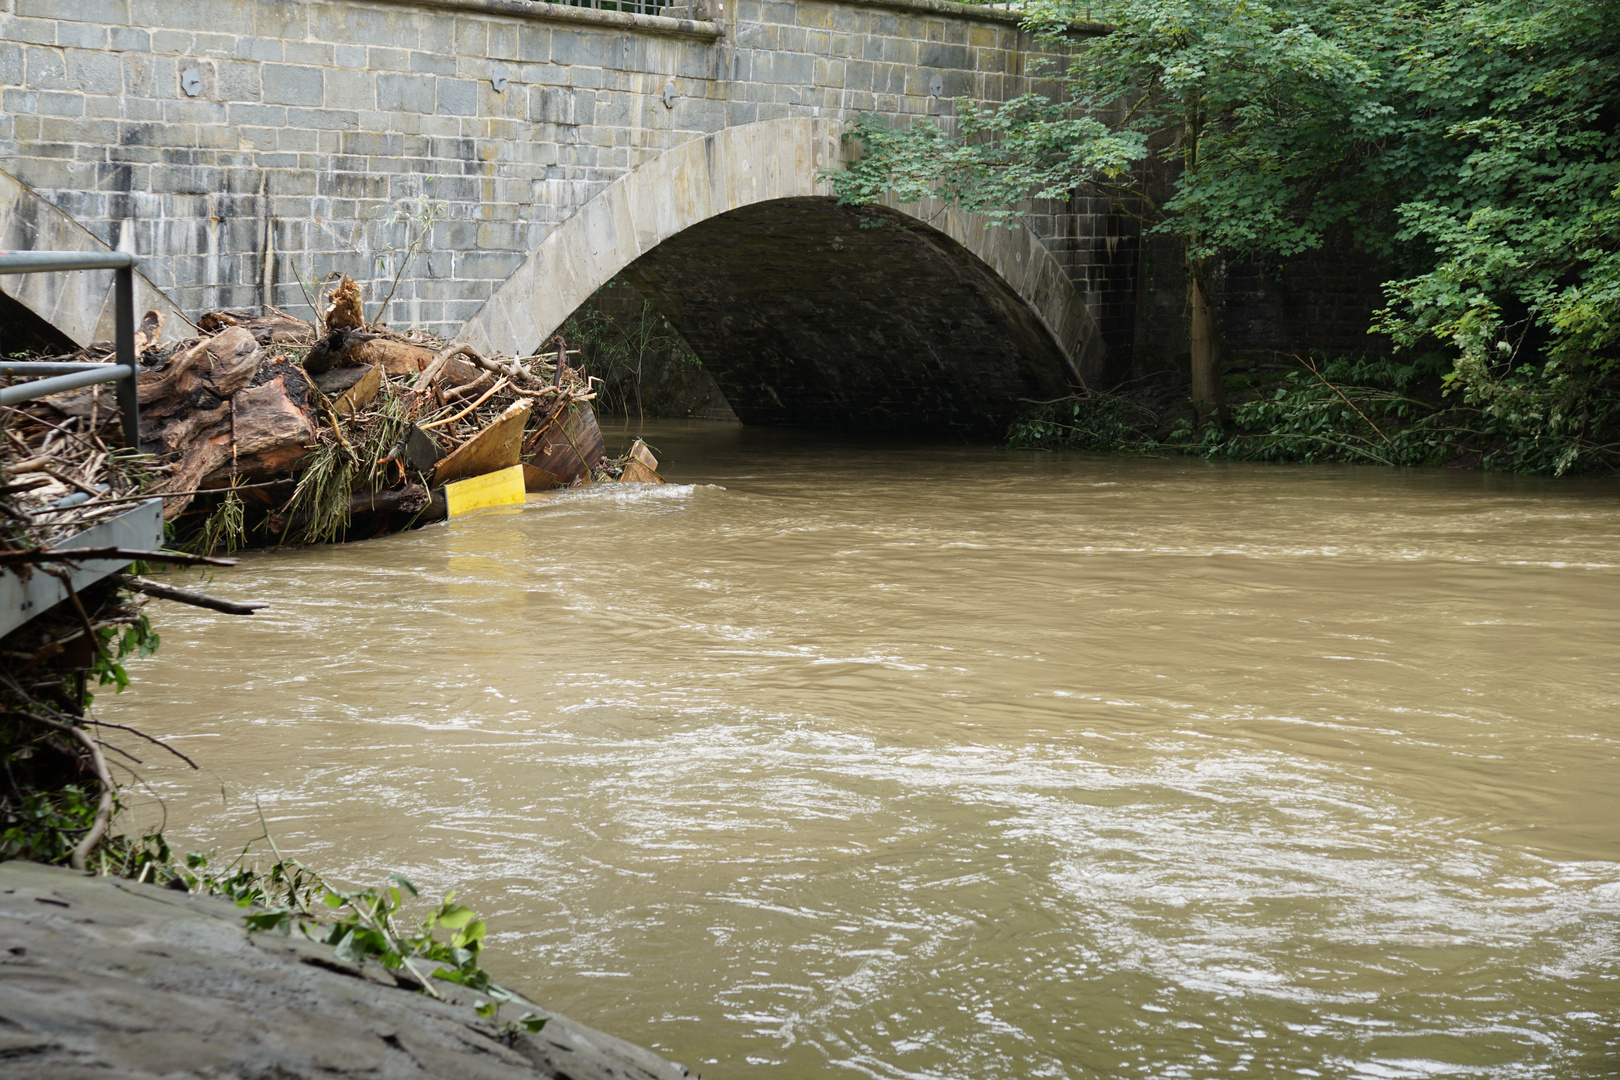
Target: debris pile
{"type": "Point", "coordinates": [267, 429]}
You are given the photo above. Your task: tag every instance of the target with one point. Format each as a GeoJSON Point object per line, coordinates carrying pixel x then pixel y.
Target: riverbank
{"type": "Point", "coordinates": [1354, 411]}
{"type": "Point", "coordinates": [103, 974]}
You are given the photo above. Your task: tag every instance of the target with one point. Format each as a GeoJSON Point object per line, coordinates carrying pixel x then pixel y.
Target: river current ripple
{"type": "Point", "coordinates": [841, 759]}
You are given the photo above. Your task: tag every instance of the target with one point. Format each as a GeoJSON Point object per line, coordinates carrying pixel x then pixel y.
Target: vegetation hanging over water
{"type": "Point", "coordinates": [1471, 145]}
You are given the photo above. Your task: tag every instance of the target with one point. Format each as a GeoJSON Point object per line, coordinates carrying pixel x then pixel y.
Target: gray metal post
{"type": "Point", "coordinates": [129, 405]}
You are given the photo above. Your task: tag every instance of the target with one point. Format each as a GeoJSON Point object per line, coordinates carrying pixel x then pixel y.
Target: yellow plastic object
{"type": "Point", "coordinates": [503, 487]}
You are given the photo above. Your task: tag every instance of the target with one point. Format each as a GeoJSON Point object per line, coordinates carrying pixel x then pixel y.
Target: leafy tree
{"type": "Point", "coordinates": [1248, 111]}
{"type": "Point", "coordinates": [1506, 151]}
{"type": "Point", "coordinates": [1473, 143]}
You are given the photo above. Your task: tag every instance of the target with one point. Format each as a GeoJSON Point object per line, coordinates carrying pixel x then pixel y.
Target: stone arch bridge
{"type": "Point", "coordinates": [244, 148]}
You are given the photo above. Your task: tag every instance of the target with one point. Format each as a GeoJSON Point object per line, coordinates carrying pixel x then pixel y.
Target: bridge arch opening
{"type": "Point", "coordinates": [811, 314]}
{"type": "Point", "coordinates": [924, 319]}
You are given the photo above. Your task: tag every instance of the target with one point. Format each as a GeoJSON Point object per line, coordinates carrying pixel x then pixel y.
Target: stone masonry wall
{"type": "Point", "coordinates": [327, 126]}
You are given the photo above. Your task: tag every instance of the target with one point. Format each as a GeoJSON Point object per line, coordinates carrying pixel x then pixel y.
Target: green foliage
{"type": "Point", "coordinates": [317, 512]}
{"type": "Point", "coordinates": [627, 353]}
{"type": "Point", "coordinates": [1253, 106]}
{"type": "Point", "coordinates": [1472, 143]}
{"type": "Point", "coordinates": [1511, 163]}
{"type": "Point", "coordinates": [1309, 419]}
{"type": "Point", "coordinates": [224, 531]}
{"type": "Point", "coordinates": [43, 826]}
{"type": "Point", "coordinates": [1107, 422]}
{"type": "Point", "coordinates": [365, 925]}
{"type": "Point", "coordinates": [137, 639]}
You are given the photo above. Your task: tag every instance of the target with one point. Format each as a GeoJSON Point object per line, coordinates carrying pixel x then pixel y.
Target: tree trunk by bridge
{"type": "Point", "coordinates": [1205, 340]}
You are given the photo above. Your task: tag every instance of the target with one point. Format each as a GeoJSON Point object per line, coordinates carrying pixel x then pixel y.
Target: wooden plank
{"type": "Point", "coordinates": [502, 488]}
{"type": "Point", "coordinates": [568, 446]}
{"type": "Point", "coordinates": [639, 451]}
{"type": "Point", "coordinates": [539, 480]}
{"type": "Point", "coordinates": [637, 473]}
{"type": "Point", "coordinates": [361, 394]}
{"type": "Point", "coordinates": [496, 447]}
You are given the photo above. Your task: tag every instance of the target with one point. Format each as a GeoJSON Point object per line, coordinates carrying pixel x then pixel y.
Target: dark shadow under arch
{"type": "Point", "coordinates": [808, 313]}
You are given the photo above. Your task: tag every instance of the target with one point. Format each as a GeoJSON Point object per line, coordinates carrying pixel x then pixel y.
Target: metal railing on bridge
{"type": "Point", "coordinates": [634, 7]}
{"type": "Point", "coordinates": [71, 375]}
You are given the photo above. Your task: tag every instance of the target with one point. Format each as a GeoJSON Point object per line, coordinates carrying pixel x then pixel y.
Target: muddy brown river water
{"type": "Point", "coordinates": [842, 759]}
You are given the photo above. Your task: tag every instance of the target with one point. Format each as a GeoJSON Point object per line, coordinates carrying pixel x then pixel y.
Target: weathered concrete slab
{"type": "Point", "coordinates": [101, 977]}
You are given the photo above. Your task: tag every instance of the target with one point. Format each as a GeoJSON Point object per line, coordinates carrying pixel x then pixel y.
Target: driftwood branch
{"type": "Point", "coordinates": [98, 764]}
{"type": "Point", "coordinates": [149, 738]}
{"type": "Point", "coordinates": [186, 596]}
{"type": "Point", "coordinates": [73, 555]}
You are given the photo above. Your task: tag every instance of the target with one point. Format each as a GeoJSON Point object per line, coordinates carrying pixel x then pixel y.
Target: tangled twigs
{"type": "Point", "coordinates": [1312, 369]}
{"type": "Point", "coordinates": [511, 368]}
{"type": "Point", "coordinates": [98, 765]}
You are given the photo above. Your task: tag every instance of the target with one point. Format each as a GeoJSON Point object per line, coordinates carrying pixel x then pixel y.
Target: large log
{"type": "Point", "coordinates": [357, 348]}
{"type": "Point", "coordinates": [271, 327]}
{"type": "Point", "coordinates": [271, 424]}
{"type": "Point", "coordinates": [273, 433]}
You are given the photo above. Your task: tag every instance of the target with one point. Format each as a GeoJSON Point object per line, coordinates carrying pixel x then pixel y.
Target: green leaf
{"type": "Point", "coordinates": [471, 936]}
{"type": "Point", "coordinates": [455, 917]}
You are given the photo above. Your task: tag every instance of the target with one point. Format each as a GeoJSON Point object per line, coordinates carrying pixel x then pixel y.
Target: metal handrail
{"type": "Point", "coordinates": [63, 376]}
